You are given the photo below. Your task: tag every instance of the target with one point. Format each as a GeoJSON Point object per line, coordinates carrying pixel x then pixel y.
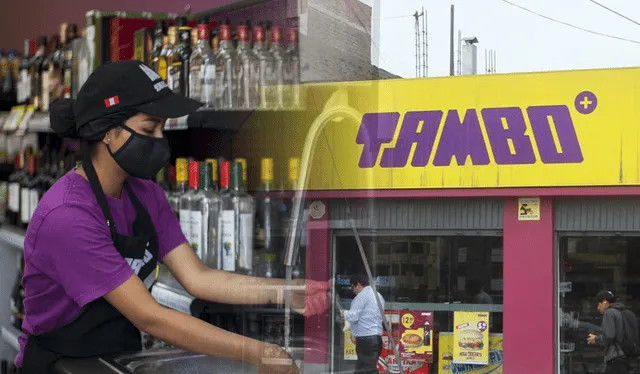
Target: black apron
{"type": "Point", "coordinates": [100, 330]}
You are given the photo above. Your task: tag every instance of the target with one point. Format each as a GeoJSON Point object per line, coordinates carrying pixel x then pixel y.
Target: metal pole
{"type": "Point", "coordinates": [451, 51]}
{"type": "Point", "coordinates": [293, 237]}
{"type": "Point", "coordinates": [426, 45]}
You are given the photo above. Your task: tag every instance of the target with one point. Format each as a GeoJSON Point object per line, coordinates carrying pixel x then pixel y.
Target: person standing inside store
{"type": "Point", "coordinates": [366, 324]}
{"type": "Point", "coordinates": [92, 247]}
{"type": "Point", "coordinates": [613, 332]}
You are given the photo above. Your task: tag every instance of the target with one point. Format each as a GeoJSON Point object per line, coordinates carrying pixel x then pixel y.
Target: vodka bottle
{"type": "Point", "coordinates": [203, 69]}
{"type": "Point", "coordinates": [227, 220]}
{"type": "Point", "coordinates": [205, 214]}
{"type": "Point", "coordinates": [259, 67]}
{"type": "Point", "coordinates": [224, 70]}
{"type": "Point", "coordinates": [292, 71]}
{"type": "Point", "coordinates": [187, 202]}
{"type": "Point", "coordinates": [164, 63]}
{"type": "Point", "coordinates": [275, 96]}
{"type": "Point", "coordinates": [244, 212]}
{"type": "Point", "coordinates": [267, 217]}
{"type": "Point", "coordinates": [241, 60]}
{"type": "Point", "coordinates": [182, 176]}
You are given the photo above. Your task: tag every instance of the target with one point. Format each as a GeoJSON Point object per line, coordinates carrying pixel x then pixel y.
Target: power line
{"type": "Point", "coordinates": [615, 12]}
{"type": "Point", "coordinates": [570, 25]}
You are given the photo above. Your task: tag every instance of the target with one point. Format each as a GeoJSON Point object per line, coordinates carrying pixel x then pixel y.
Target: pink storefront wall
{"type": "Point", "coordinates": [529, 289]}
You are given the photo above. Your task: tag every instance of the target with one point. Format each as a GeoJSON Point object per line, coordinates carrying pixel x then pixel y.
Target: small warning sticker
{"type": "Point", "coordinates": [529, 209]}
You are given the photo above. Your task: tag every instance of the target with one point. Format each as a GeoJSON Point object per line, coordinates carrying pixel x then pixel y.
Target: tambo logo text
{"type": "Point", "coordinates": [462, 137]}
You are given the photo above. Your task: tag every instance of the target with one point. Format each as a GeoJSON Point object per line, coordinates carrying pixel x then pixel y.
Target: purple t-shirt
{"type": "Point", "coordinates": [70, 259]}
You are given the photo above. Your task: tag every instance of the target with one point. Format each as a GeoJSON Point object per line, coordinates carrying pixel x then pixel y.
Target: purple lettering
{"type": "Point", "coordinates": [499, 136]}
{"type": "Point", "coordinates": [461, 139]}
{"type": "Point", "coordinates": [424, 140]}
{"type": "Point", "coordinates": [375, 129]}
{"type": "Point", "coordinates": [569, 150]}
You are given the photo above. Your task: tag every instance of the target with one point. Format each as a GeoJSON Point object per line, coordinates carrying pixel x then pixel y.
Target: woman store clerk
{"type": "Point", "coordinates": [96, 236]}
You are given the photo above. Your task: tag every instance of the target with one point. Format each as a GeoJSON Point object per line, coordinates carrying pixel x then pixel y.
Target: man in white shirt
{"type": "Point", "coordinates": [366, 324]}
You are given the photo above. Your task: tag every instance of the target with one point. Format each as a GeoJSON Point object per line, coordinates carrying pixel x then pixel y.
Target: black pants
{"type": "Point", "coordinates": [368, 349]}
{"type": "Point", "coordinates": [618, 366]}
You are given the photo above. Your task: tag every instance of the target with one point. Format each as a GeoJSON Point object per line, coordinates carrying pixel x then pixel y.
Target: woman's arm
{"type": "Point", "coordinates": [138, 306]}
{"type": "Point", "coordinates": [307, 297]}
{"type": "Point", "coordinates": [220, 286]}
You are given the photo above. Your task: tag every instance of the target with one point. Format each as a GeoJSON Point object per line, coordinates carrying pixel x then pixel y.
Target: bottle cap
{"type": "Point", "coordinates": [243, 162]}
{"type": "Point", "coordinates": [224, 174]}
{"type": "Point", "coordinates": [236, 175]}
{"type": "Point", "coordinates": [194, 174]}
{"type": "Point", "coordinates": [182, 173]}
{"type": "Point", "coordinates": [294, 169]}
{"type": "Point", "coordinates": [205, 175]}
{"type": "Point", "coordinates": [214, 169]}
{"type": "Point", "coordinates": [266, 170]}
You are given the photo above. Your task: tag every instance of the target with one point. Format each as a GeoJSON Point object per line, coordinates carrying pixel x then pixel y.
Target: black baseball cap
{"type": "Point", "coordinates": [605, 295]}
{"type": "Point", "coordinates": [125, 86]}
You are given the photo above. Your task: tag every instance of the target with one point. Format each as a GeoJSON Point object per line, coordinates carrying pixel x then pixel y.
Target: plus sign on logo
{"type": "Point", "coordinates": [586, 102]}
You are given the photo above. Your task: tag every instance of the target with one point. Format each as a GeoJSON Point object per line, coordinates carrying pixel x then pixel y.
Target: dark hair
{"type": "Point", "coordinates": [359, 279]}
{"type": "Point", "coordinates": [63, 122]}
{"type": "Point", "coordinates": [606, 295]}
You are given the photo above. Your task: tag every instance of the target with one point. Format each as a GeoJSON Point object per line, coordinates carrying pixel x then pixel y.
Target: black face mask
{"type": "Point", "coordinates": [142, 156]}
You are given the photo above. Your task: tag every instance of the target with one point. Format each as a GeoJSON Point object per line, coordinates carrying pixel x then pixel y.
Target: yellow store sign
{"type": "Point", "coordinates": [577, 128]}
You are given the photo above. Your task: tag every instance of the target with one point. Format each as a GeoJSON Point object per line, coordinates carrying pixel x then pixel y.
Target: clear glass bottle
{"type": "Point", "coordinates": [182, 176]}
{"type": "Point", "coordinates": [224, 70]}
{"type": "Point", "coordinates": [163, 61]}
{"type": "Point", "coordinates": [266, 224]}
{"type": "Point", "coordinates": [259, 67]}
{"type": "Point", "coordinates": [244, 213]}
{"type": "Point", "coordinates": [227, 220]}
{"type": "Point", "coordinates": [186, 202]}
{"type": "Point", "coordinates": [241, 60]}
{"type": "Point", "coordinates": [205, 216]}
{"type": "Point", "coordinates": [291, 75]}
{"type": "Point", "coordinates": [203, 69]}
{"type": "Point", "coordinates": [275, 66]}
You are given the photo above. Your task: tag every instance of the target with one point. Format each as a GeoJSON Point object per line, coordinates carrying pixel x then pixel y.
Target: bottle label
{"type": "Point", "coordinates": [208, 87]}
{"type": "Point", "coordinates": [34, 199]}
{"type": "Point", "coordinates": [14, 197]}
{"type": "Point", "coordinates": [228, 240]}
{"type": "Point", "coordinates": [175, 72]}
{"type": "Point", "coordinates": [245, 258]}
{"type": "Point", "coordinates": [196, 234]}
{"type": "Point", "coordinates": [196, 75]}
{"type": "Point", "coordinates": [185, 223]}
{"type": "Point", "coordinates": [24, 205]}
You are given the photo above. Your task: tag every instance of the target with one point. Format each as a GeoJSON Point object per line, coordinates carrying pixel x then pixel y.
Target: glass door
{"type": "Point", "coordinates": [587, 265]}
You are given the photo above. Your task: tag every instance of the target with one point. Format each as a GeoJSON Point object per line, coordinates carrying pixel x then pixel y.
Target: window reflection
{"type": "Point", "coordinates": [588, 265]}
{"type": "Point", "coordinates": [442, 274]}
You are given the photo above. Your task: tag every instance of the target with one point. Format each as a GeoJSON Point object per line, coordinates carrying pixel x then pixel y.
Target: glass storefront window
{"type": "Point", "coordinates": [587, 265]}
{"type": "Point", "coordinates": [439, 274]}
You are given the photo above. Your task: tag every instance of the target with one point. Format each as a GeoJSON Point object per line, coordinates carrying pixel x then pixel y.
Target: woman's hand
{"type": "Point", "coordinates": [312, 298]}
{"type": "Point", "coordinates": [276, 361]}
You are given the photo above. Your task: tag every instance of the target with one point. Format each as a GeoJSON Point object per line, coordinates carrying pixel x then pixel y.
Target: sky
{"type": "Point", "coordinates": [523, 41]}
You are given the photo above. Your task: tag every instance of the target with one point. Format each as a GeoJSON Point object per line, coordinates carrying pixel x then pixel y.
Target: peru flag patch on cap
{"type": "Point", "coordinates": [111, 101]}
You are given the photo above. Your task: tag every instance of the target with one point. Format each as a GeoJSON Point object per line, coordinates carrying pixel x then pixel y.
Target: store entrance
{"type": "Point", "coordinates": [587, 265]}
{"type": "Point", "coordinates": [440, 273]}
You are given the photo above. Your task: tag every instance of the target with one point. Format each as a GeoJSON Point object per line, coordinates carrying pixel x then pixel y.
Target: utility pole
{"type": "Point", "coordinates": [451, 48]}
